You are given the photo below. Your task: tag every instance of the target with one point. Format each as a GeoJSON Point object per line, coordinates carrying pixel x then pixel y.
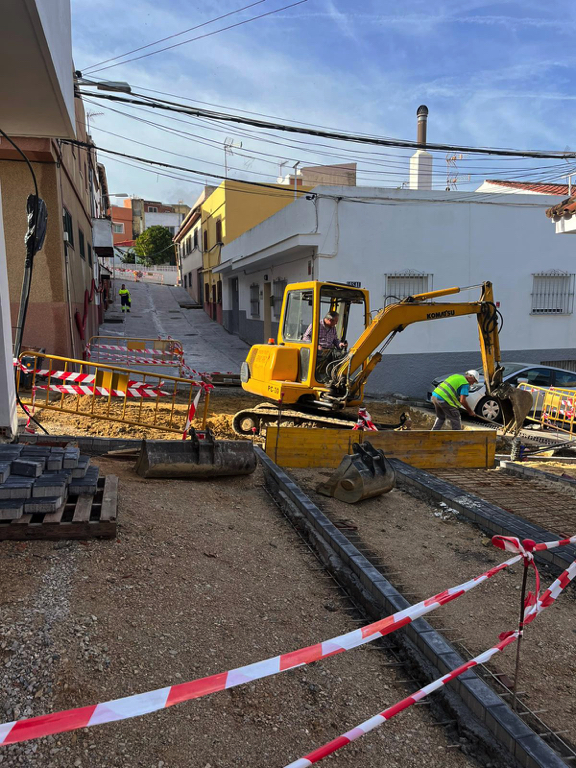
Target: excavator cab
{"type": "Point", "coordinates": [295, 368]}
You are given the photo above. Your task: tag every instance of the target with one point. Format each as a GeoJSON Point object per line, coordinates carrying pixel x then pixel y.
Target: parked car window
{"type": "Point", "coordinates": [539, 377]}
{"type": "Point", "coordinates": [564, 379]}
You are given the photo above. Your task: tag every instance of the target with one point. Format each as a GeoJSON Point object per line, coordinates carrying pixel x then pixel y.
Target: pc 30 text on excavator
{"type": "Point", "coordinates": [313, 386]}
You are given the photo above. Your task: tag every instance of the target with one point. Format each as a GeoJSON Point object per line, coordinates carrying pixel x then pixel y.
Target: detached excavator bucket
{"type": "Point", "coordinates": [361, 475]}
{"type": "Point", "coordinates": [516, 405]}
{"type": "Point", "coordinates": [196, 459]}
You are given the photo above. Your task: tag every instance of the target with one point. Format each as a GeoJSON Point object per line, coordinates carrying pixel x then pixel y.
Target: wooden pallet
{"type": "Point", "coordinates": [80, 517]}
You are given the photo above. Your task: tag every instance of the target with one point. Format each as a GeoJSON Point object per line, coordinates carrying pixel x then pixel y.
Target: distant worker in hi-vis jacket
{"type": "Point", "coordinates": [450, 395]}
{"type": "Point", "coordinates": [125, 300]}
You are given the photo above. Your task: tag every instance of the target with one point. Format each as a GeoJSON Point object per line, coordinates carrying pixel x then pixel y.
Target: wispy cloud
{"type": "Point", "coordinates": [488, 70]}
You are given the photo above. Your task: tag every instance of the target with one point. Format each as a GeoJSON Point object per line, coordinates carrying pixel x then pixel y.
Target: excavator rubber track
{"type": "Point", "coordinates": [252, 421]}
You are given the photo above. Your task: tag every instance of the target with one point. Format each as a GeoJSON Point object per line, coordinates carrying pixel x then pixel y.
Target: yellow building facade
{"type": "Point", "coordinates": [232, 209]}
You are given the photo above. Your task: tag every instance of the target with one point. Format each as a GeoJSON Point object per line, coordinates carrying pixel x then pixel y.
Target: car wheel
{"type": "Point", "coordinates": [489, 408]}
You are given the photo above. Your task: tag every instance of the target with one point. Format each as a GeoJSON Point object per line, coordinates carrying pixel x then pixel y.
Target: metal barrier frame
{"type": "Point", "coordinates": [553, 407]}
{"type": "Point", "coordinates": [72, 366]}
{"type": "Point", "coordinates": [175, 349]}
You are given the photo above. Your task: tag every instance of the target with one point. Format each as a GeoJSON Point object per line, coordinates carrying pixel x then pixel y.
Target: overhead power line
{"type": "Point", "coordinates": [146, 101]}
{"type": "Point", "coordinates": [200, 37]}
{"type": "Point", "coordinates": [177, 34]}
{"type": "Point", "coordinates": [280, 190]}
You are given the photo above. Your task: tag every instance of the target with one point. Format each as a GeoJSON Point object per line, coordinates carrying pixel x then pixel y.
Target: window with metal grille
{"type": "Point", "coordinates": [68, 227]}
{"type": "Point", "coordinates": [279, 286]}
{"type": "Point", "coordinates": [89, 254]}
{"type": "Point", "coordinates": [218, 230]}
{"type": "Point", "coordinates": [205, 240]}
{"type": "Point", "coordinates": [195, 239]}
{"type": "Point", "coordinates": [81, 245]}
{"type": "Point", "coordinates": [255, 300]}
{"type": "Point", "coordinates": [400, 285]}
{"type": "Point", "coordinates": [553, 293]}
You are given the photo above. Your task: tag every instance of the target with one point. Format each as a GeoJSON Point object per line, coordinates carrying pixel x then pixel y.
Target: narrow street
{"type": "Point", "coordinates": [156, 312]}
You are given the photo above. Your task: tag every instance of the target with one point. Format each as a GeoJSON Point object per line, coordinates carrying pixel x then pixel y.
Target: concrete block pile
{"type": "Point", "coordinates": [40, 479]}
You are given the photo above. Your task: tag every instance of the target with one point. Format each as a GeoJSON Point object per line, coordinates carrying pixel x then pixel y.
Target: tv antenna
{"type": "Point", "coordinates": [452, 173]}
{"type": "Point", "coordinates": [88, 116]}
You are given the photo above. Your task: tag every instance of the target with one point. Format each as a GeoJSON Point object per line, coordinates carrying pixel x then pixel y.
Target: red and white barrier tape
{"type": "Point", "coordinates": [151, 701]}
{"type": "Point", "coordinates": [388, 714]}
{"type": "Point", "coordinates": [365, 421]}
{"type": "Point", "coordinates": [79, 389]}
{"type": "Point", "coordinates": [20, 365]}
{"type": "Point", "coordinates": [29, 429]}
{"type": "Point", "coordinates": [191, 414]}
{"type": "Point", "coordinates": [506, 638]}
{"type": "Point", "coordinates": [89, 378]}
{"type": "Point", "coordinates": [146, 350]}
{"type": "Point", "coordinates": [175, 362]}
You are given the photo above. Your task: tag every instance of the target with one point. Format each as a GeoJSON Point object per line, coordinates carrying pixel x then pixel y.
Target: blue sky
{"type": "Point", "coordinates": [496, 74]}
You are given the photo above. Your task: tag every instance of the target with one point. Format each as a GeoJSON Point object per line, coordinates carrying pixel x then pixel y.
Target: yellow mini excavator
{"type": "Point", "coordinates": [310, 385]}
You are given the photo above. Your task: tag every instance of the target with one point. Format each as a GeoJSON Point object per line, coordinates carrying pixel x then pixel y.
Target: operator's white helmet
{"type": "Point", "coordinates": [473, 373]}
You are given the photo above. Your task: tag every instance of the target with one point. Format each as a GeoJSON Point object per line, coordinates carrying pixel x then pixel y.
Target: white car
{"type": "Point", "coordinates": [538, 375]}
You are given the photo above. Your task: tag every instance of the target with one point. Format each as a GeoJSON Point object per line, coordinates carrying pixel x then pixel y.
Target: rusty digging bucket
{"type": "Point", "coordinates": [361, 475]}
{"type": "Point", "coordinates": [195, 458]}
{"type": "Point", "coordinates": [516, 404]}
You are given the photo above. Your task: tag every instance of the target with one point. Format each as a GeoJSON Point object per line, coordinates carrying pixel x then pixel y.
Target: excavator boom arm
{"type": "Point", "coordinates": [419, 308]}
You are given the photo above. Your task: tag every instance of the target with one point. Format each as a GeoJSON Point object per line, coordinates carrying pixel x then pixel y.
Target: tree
{"type": "Point", "coordinates": [155, 246]}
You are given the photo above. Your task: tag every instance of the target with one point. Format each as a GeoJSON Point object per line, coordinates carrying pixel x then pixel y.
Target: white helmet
{"type": "Point", "coordinates": [473, 373]}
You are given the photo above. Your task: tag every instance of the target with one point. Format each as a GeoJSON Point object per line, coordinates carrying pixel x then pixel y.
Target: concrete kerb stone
{"type": "Point", "coordinates": [479, 698]}
{"type": "Point", "coordinates": [489, 517]}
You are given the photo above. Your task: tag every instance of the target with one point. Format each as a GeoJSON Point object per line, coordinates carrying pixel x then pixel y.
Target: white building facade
{"type": "Point", "coordinates": [400, 242]}
{"type": "Point", "coordinates": [188, 242]}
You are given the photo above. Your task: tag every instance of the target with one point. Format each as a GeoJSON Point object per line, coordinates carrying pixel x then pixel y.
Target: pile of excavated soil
{"type": "Point", "coordinates": [203, 577]}
{"type": "Point", "coordinates": [224, 403]}
{"type": "Point", "coordinates": [427, 550]}
{"type": "Point", "coordinates": [223, 406]}
{"type": "Point", "coordinates": [553, 467]}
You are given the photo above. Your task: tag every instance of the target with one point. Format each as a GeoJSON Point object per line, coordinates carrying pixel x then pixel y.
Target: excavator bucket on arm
{"type": "Point", "coordinates": [516, 404]}
{"type": "Point", "coordinates": [361, 475]}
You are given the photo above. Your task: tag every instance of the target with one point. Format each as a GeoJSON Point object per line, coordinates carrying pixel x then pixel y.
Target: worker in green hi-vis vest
{"type": "Point", "coordinates": [125, 300]}
{"type": "Point", "coordinates": [450, 396]}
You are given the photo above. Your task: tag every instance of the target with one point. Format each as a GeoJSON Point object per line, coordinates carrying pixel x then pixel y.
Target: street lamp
{"type": "Point", "coordinates": [120, 194]}
{"type": "Point", "coordinates": [118, 86]}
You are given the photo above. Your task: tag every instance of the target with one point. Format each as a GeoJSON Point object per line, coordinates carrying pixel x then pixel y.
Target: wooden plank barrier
{"type": "Point", "coordinates": [298, 447]}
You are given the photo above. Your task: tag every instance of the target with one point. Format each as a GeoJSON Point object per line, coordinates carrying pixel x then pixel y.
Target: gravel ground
{"type": "Point", "coordinates": [431, 550]}
{"type": "Point", "coordinates": [203, 577]}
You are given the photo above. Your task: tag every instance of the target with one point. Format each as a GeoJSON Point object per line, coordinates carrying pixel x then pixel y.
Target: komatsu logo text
{"type": "Point", "coordinates": [437, 315]}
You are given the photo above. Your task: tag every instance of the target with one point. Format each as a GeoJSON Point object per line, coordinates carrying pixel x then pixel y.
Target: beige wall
{"type": "Point", "coordinates": [47, 324]}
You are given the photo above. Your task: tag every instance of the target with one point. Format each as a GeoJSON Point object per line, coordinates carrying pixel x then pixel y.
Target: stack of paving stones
{"type": "Point", "coordinates": [39, 479]}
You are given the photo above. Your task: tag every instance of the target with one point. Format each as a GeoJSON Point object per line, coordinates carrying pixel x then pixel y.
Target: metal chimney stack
{"type": "Point", "coordinates": [422, 117]}
{"type": "Point", "coordinates": [421, 160]}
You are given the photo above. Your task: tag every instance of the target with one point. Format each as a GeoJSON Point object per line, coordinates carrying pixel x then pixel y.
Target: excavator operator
{"type": "Point", "coordinates": [450, 396]}
{"type": "Point", "coordinates": [330, 347]}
